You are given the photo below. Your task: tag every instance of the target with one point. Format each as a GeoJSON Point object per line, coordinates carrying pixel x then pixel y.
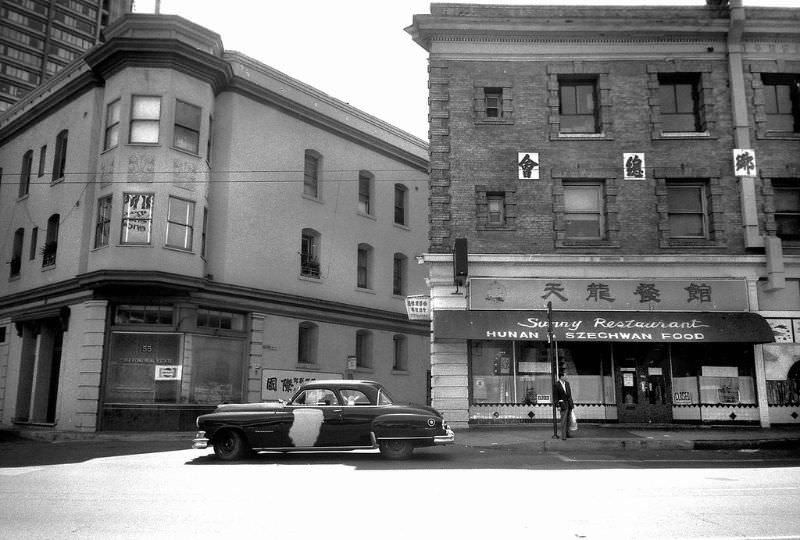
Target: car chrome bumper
{"type": "Point", "coordinates": [200, 442]}
{"type": "Point", "coordinates": [445, 439]}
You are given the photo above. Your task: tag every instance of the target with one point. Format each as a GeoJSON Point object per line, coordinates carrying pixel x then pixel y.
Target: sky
{"type": "Point", "coordinates": [354, 50]}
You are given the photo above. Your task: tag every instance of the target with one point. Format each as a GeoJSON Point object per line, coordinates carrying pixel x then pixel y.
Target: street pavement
{"type": "Point", "coordinates": [535, 437]}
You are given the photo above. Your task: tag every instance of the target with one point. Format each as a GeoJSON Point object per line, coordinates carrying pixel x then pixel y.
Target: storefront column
{"type": "Point", "coordinates": [254, 356]}
{"type": "Point", "coordinates": [450, 384]}
{"type": "Point", "coordinates": [761, 386]}
{"type": "Point", "coordinates": [4, 356]}
{"type": "Point", "coordinates": [80, 385]}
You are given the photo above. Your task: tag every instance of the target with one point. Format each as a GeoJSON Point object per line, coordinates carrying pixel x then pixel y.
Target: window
{"type": "Point", "coordinates": [365, 183]}
{"type": "Point", "coordinates": [679, 101]}
{"type": "Point", "coordinates": [363, 349]}
{"type": "Point", "coordinates": [25, 173]}
{"type": "Point", "coordinates": [60, 157]}
{"type": "Point", "coordinates": [223, 320]}
{"type": "Point", "coordinates": [309, 253]}
{"type": "Point", "coordinates": [143, 314]}
{"type": "Point", "coordinates": [400, 204]}
{"type": "Point", "coordinates": [782, 102]}
{"type": "Point", "coordinates": [584, 210]}
{"type": "Point", "coordinates": [16, 254]}
{"type": "Point", "coordinates": [51, 241]}
{"type": "Point", "coordinates": [311, 174]}
{"type": "Point", "coordinates": [687, 209]}
{"type": "Point", "coordinates": [204, 233]}
{"type": "Point", "coordinates": [102, 228]}
{"type": "Point", "coordinates": [400, 356]}
{"type": "Point", "coordinates": [180, 223]}
{"type": "Point", "coordinates": [493, 102]}
{"type": "Point", "coordinates": [578, 105]}
{"type": "Point", "coordinates": [787, 209]}
{"type": "Point", "coordinates": [187, 127]}
{"type": "Point", "coordinates": [145, 116]}
{"type": "Point", "coordinates": [210, 140]}
{"type": "Point", "coordinates": [307, 343]}
{"type": "Point", "coordinates": [112, 125]}
{"type": "Point", "coordinates": [363, 267]}
{"type": "Point", "coordinates": [399, 270]}
{"type": "Point", "coordinates": [137, 218]}
{"type": "Point", "coordinates": [34, 242]}
{"type": "Point", "coordinates": [42, 157]}
{"type": "Point", "coordinates": [496, 203]}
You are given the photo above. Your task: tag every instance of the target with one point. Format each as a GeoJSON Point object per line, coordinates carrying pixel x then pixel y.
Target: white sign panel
{"type": "Point", "coordinates": [744, 162]}
{"type": "Point", "coordinates": [168, 373]}
{"type": "Point", "coordinates": [418, 307]}
{"type": "Point", "coordinates": [528, 165]}
{"type": "Point", "coordinates": [282, 384]}
{"type": "Point", "coordinates": [633, 165]}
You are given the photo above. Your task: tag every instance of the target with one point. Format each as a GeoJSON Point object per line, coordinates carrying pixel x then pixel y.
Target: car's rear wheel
{"type": "Point", "coordinates": [230, 445]}
{"type": "Point", "coordinates": [396, 449]}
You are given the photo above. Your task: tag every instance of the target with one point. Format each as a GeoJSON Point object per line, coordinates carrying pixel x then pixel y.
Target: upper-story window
{"type": "Point", "coordinates": [34, 244]}
{"type": "Point", "coordinates": [187, 127]}
{"type": "Point", "coordinates": [680, 103]}
{"type": "Point", "coordinates": [112, 125]}
{"type": "Point", "coordinates": [364, 266]}
{"type": "Point", "coordinates": [496, 209]}
{"type": "Point", "coordinates": [584, 213]}
{"type": "Point", "coordinates": [16, 253]}
{"type": "Point", "coordinates": [50, 247]}
{"type": "Point", "coordinates": [400, 204]}
{"type": "Point", "coordinates": [782, 102]}
{"type": "Point", "coordinates": [363, 349]}
{"type": "Point", "coordinates": [102, 228]}
{"type": "Point", "coordinates": [492, 102]}
{"type": "Point", "coordinates": [787, 209]}
{"type": "Point", "coordinates": [25, 173]}
{"type": "Point", "coordinates": [365, 189]}
{"type": "Point", "coordinates": [687, 209]}
{"type": "Point", "coordinates": [400, 353]}
{"type": "Point", "coordinates": [42, 157]}
{"type": "Point", "coordinates": [60, 156]}
{"type": "Point", "coordinates": [307, 343]}
{"type": "Point", "coordinates": [143, 314]}
{"type": "Point", "coordinates": [311, 174]}
{"type": "Point", "coordinates": [399, 271]}
{"type": "Point", "coordinates": [578, 110]}
{"type": "Point", "coordinates": [309, 253]}
{"type": "Point", "coordinates": [137, 218]}
{"type": "Point", "coordinates": [145, 119]}
{"type": "Point", "coordinates": [180, 223]}
{"type": "Point", "coordinates": [224, 320]}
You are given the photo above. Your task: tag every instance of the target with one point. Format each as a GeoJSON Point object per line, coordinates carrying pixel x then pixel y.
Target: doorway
{"type": "Point", "coordinates": [643, 383]}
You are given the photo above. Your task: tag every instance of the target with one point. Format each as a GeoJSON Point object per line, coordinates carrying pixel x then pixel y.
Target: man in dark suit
{"type": "Point", "coordinates": [563, 397]}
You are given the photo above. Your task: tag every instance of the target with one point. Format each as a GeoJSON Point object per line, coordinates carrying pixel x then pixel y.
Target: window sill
{"type": "Point", "coordinates": [403, 372]}
{"type": "Point", "coordinates": [15, 277]}
{"type": "Point", "coordinates": [311, 279]}
{"type": "Point", "coordinates": [306, 366]}
{"type": "Point", "coordinates": [109, 149]}
{"type": "Point", "coordinates": [57, 181]}
{"type": "Point", "coordinates": [365, 290]}
{"type": "Point", "coordinates": [401, 226]}
{"type": "Point", "coordinates": [179, 249]}
{"type": "Point", "coordinates": [501, 228]}
{"type": "Point", "coordinates": [187, 152]}
{"type": "Point", "coordinates": [364, 369]}
{"type": "Point", "coordinates": [586, 243]}
{"type": "Point", "coordinates": [49, 267]}
{"type": "Point", "coordinates": [99, 248]}
{"type": "Point", "coordinates": [144, 144]}
{"type": "Point", "coordinates": [23, 197]}
{"type": "Point", "coordinates": [368, 216]}
{"type": "Point", "coordinates": [122, 244]}
{"type": "Point", "coordinates": [681, 135]}
{"type": "Point", "coordinates": [581, 137]}
{"type": "Point", "coordinates": [317, 199]}
{"type": "Point", "coordinates": [498, 122]}
{"type": "Point", "coordinates": [778, 136]}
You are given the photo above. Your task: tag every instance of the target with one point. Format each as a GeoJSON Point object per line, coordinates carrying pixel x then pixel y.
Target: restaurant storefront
{"type": "Point", "coordinates": [642, 361]}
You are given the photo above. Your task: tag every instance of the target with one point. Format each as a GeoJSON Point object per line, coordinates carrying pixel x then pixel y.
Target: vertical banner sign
{"type": "Point", "coordinates": [744, 162]}
{"type": "Point", "coordinates": [528, 165]}
{"type": "Point", "coordinates": [633, 165]}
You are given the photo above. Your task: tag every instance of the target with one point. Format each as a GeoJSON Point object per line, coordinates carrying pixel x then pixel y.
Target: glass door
{"type": "Point", "coordinates": [643, 383]}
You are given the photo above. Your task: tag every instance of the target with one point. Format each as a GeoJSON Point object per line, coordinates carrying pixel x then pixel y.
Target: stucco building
{"type": "Point", "coordinates": [184, 226]}
{"type": "Point", "coordinates": [637, 169]}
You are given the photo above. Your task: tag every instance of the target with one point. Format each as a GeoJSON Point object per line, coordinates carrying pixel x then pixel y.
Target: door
{"type": "Point", "coordinates": [643, 383]}
{"type": "Point", "coordinates": [314, 420]}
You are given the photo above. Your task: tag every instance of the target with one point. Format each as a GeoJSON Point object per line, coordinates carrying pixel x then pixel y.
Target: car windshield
{"type": "Point", "coordinates": [384, 398]}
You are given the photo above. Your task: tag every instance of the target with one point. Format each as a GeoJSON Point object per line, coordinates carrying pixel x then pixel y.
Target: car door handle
{"type": "Point", "coordinates": [337, 410]}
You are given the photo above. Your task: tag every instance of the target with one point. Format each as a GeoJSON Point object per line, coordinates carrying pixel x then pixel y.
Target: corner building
{"type": "Point", "coordinates": [637, 169]}
{"type": "Point", "coordinates": [186, 226]}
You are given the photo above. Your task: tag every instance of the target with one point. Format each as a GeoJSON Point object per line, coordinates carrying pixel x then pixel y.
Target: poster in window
{"type": "Point", "coordinates": [168, 373]}
{"type": "Point", "coordinates": [782, 328]}
{"type": "Point", "coordinates": [627, 379]}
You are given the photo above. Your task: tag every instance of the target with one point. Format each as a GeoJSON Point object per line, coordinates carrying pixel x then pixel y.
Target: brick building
{"type": "Point", "coordinates": [637, 169]}
{"type": "Point", "coordinates": [184, 226]}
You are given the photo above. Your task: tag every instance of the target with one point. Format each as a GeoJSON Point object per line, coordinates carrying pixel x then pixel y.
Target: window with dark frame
{"type": "Point", "coordinates": [493, 102]}
{"type": "Point", "coordinates": [60, 156]}
{"type": "Point", "coordinates": [145, 119]}
{"type": "Point", "coordinates": [363, 349]}
{"type": "Point", "coordinates": [25, 174]}
{"type": "Point", "coordinates": [307, 343]}
{"type": "Point", "coordinates": [309, 253]}
{"type": "Point", "coordinates": [679, 102]}
{"type": "Point", "coordinates": [102, 228]}
{"type": "Point", "coordinates": [50, 248]}
{"type": "Point", "coordinates": [782, 102]}
{"type": "Point", "coordinates": [400, 204]}
{"type": "Point", "coordinates": [32, 252]}
{"type": "Point", "coordinates": [187, 127]}
{"type": "Point", "coordinates": [687, 209]}
{"type": "Point", "coordinates": [787, 209]}
{"type": "Point", "coordinates": [578, 105]}
{"type": "Point", "coordinates": [399, 269]}
{"type": "Point", "coordinates": [365, 193]}
{"type": "Point", "coordinates": [496, 209]}
{"type": "Point", "coordinates": [223, 320]}
{"type": "Point", "coordinates": [363, 278]}
{"type": "Point", "coordinates": [584, 210]}
{"type": "Point", "coordinates": [15, 264]}
{"type": "Point", "coordinates": [111, 138]}
{"type": "Point", "coordinates": [311, 174]}
{"type": "Point", "coordinates": [42, 157]}
{"type": "Point", "coordinates": [143, 314]}
{"type": "Point", "coordinates": [137, 218]}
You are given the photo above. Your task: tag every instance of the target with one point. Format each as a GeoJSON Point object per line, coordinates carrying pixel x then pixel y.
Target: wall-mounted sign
{"type": "Point", "coordinates": [168, 373]}
{"type": "Point", "coordinates": [528, 165]}
{"type": "Point", "coordinates": [682, 398]}
{"type": "Point", "coordinates": [744, 162]}
{"type": "Point", "coordinates": [633, 166]}
{"type": "Point", "coordinates": [418, 307]}
{"type": "Point", "coordinates": [610, 294]}
{"type": "Point", "coordinates": [282, 384]}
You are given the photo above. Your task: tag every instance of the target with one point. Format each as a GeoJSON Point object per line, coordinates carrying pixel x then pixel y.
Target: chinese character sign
{"type": "Point", "coordinates": [633, 164]}
{"type": "Point", "coordinates": [418, 307]}
{"type": "Point", "coordinates": [282, 384]}
{"type": "Point", "coordinates": [744, 162]}
{"type": "Point", "coordinates": [528, 165]}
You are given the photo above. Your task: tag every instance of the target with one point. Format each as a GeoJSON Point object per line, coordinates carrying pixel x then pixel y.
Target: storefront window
{"type": "Point", "coordinates": [217, 370]}
{"type": "Point", "coordinates": [710, 374]}
{"type": "Point", "coordinates": [782, 364]}
{"type": "Point", "coordinates": [520, 372]}
{"type": "Point", "coordinates": [144, 368]}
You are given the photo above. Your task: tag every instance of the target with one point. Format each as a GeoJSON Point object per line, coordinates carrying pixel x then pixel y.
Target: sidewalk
{"type": "Point", "coordinates": [537, 437]}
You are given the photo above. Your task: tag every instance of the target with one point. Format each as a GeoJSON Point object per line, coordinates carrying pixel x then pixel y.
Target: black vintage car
{"type": "Point", "coordinates": [323, 415]}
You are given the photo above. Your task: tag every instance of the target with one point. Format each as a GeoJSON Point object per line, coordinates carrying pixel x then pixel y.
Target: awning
{"type": "Point", "coordinates": [625, 326]}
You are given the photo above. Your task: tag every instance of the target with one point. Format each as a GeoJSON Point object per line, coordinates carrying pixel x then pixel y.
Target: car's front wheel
{"type": "Point", "coordinates": [230, 445]}
{"type": "Point", "coordinates": [396, 449]}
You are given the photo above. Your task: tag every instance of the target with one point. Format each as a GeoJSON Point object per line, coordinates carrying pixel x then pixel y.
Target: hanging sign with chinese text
{"type": "Point", "coordinates": [744, 162]}
{"type": "Point", "coordinates": [633, 166]}
{"type": "Point", "coordinates": [418, 307]}
{"type": "Point", "coordinates": [528, 165]}
{"type": "Point", "coordinates": [610, 294]}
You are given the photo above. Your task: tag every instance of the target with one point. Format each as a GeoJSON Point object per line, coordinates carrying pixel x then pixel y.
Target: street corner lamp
{"type": "Point", "coordinates": [460, 264]}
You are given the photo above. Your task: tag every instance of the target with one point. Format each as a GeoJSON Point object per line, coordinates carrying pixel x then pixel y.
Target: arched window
{"type": "Point", "coordinates": [309, 253]}
{"type": "Point", "coordinates": [51, 241]}
{"type": "Point", "coordinates": [16, 253]}
{"type": "Point", "coordinates": [60, 157]}
{"type": "Point", "coordinates": [366, 186]}
{"type": "Point", "coordinates": [25, 173]}
{"type": "Point", "coordinates": [307, 339]}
